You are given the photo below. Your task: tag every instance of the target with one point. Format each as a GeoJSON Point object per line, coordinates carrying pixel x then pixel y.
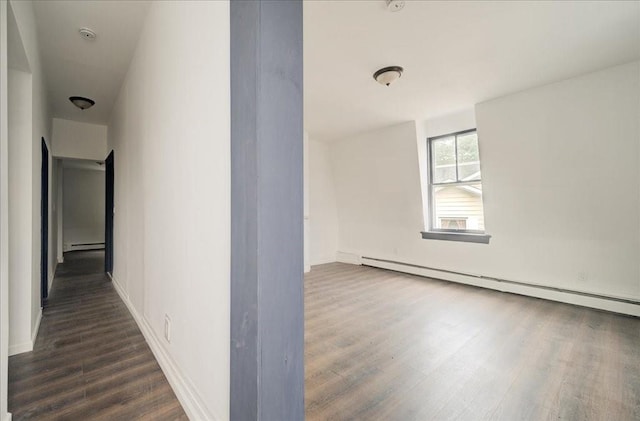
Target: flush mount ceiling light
{"type": "Point", "coordinates": [82, 102]}
{"type": "Point", "coordinates": [395, 5]}
{"type": "Point", "coordinates": [87, 33]}
{"type": "Point", "coordinates": [387, 75]}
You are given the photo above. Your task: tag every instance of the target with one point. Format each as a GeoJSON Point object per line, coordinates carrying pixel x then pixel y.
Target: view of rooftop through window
{"type": "Point", "coordinates": [456, 187]}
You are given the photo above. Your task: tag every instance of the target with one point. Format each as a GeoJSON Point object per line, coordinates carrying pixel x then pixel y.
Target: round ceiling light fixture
{"type": "Point", "coordinates": [388, 75]}
{"type": "Point", "coordinates": [82, 102]}
{"type": "Point", "coordinates": [87, 33]}
{"type": "Point", "coordinates": [395, 5]}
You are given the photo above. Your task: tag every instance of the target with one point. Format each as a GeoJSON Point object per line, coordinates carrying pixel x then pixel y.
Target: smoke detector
{"type": "Point", "coordinates": [87, 33]}
{"type": "Point", "coordinates": [395, 5]}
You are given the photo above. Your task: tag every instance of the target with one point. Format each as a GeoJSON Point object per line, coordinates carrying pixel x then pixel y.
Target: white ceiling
{"type": "Point", "coordinates": [455, 54]}
{"type": "Point", "coordinates": [16, 56]}
{"type": "Point", "coordinates": [95, 69]}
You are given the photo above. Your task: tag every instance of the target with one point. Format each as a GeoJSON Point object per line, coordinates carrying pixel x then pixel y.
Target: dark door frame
{"type": "Point", "coordinates": [108, 213]}
{"type": "Point", "coordinates": [44, 231]}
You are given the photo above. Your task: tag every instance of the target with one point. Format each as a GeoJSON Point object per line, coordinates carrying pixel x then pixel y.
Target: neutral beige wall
{"type": "Point", "coordinates": [83, 206]}
{"type": "Point", "coordinates": [20, 203]}
{"type": "Point", "coordinates": [323, 214]}
{"type": "Point", "coordinates": [170, 131]}
{"type": "Point", "coordinates": [40, 127]}
{"type": "Point", "coordinates": [4, 213]}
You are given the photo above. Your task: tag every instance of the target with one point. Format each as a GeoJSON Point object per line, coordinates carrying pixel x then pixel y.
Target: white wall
{"type": "Point", "coordinates": [56, 213]}
{"type": "Point", "coordinates": [28, 185]}
{"type": "Point", "coordinates": [560, 166]}
{"type": "Point", "coordinates": [20, 204]}
{"type": "Point", "coordinates": [72, 139]}
{"type": "Point", "coordinates": [377, 187]}
{"type": "Point", "coordinates": [306, 227]}
{"type": "Point", "coordinates": [171, 139]}
{"type": "Point", "coordinates": [323, 214]}
{"type": "Point", "coordinates": [563, 161]}
{"type": "Point", "coordinates": [41, 123]}
{"type": "Point", "coordinates": [83, 206]}
{"type": "Point", "coordinates": [4, 213]}
{"type": "Point", "coordinates": [58, 180]}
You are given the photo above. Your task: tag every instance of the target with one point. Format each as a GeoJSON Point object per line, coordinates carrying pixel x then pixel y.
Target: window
{"type": "Point", "coordinates": [455, 188]}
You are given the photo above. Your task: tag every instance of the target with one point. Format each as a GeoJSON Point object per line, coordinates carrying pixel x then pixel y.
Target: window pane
{"type": "Point", "coordinates": [468, 157]}
{"type": "Point", "coordinates": [458, 207]}
{"type": "Point", "coordinates": [443, 159]}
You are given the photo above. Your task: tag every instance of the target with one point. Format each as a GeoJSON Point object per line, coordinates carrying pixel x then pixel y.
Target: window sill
{"type": "Point", "coordinates": [456, 236]}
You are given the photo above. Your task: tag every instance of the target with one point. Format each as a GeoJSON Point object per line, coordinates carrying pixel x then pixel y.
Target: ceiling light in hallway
{"type": "Point", "coordinates": [387, 75]}
{"type": "Point", "coordinates": [82, 102]}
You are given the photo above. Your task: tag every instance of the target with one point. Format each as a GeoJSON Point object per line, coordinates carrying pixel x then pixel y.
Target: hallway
{"type": "Point", "coordinates": [90, 360]}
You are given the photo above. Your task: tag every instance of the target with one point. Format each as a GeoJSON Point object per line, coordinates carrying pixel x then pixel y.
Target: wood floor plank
{"type": "Point", "coordinates": [90, 360]}
{"type": "Point", "coordinates": [381, 345]}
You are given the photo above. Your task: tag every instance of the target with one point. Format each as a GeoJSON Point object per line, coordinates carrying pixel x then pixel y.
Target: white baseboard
{"type": "Point", "coordinates": [77, 247]}
{"type": "Point", "coordinates": [328, 259]}
{"type": "Point", "coordinates": [60, 259]}
{"type": "Point", "coordinates": [52, 275]}
{"type": "Point", "coordinates": [345, 257]}
{"type": "Point", "coordinates": [27, 346]}
{"type": "Point", "coordinates": [307, 268]}
{"type": "Point", "coordinates": [7, 417]}
{"type": "Point", "coordinates": [191, 401]}
{"type": "Point", "coordinates": [120, 290]}
{"type": "Point", "coordinates": [34, 334]}
{"type": "Point", "coordinates": [577, 298]}
{"type": "Point", "coordinates": [20, 348]}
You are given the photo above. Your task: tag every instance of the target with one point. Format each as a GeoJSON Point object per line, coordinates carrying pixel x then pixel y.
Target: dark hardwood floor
{"type": "Point", "coordinates": [381, 345]}
{"type": "Point", "coordinates": [90, 361]}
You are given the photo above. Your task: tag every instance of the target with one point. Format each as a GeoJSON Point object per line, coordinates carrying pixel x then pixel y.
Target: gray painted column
{"type": "Point", "coordinates": [267, 314]}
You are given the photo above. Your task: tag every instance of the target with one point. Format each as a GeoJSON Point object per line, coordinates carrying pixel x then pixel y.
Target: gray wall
{"type": "Point", "coordinates": [83, 206]}
{"type": "Point", "coordinates": [267, 318]}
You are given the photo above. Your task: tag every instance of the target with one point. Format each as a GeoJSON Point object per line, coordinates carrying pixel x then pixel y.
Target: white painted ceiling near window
{"type": "Point", "coordinates": [95, 69]}
{"type": "Point", "coordinates": [455, 54]}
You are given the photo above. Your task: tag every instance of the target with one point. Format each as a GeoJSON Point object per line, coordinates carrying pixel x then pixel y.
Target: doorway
{"type": "Point", "coordinates": [44, 232]}
{"type": "Point", "coordinates": [108, 214]}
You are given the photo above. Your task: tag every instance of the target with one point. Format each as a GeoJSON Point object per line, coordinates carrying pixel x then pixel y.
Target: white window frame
{"type": "Point", "coordinates": [466, 235]}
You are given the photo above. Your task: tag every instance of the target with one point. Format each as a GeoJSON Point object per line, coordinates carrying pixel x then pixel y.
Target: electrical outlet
{"type": "Point", "coordinates": [167, 328]}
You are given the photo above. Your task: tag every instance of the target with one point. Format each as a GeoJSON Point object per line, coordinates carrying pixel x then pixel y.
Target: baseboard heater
{"type": "Point", "coordinates": [83, 246]}
{"type": "Point", "coordinates": [506, 281]}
